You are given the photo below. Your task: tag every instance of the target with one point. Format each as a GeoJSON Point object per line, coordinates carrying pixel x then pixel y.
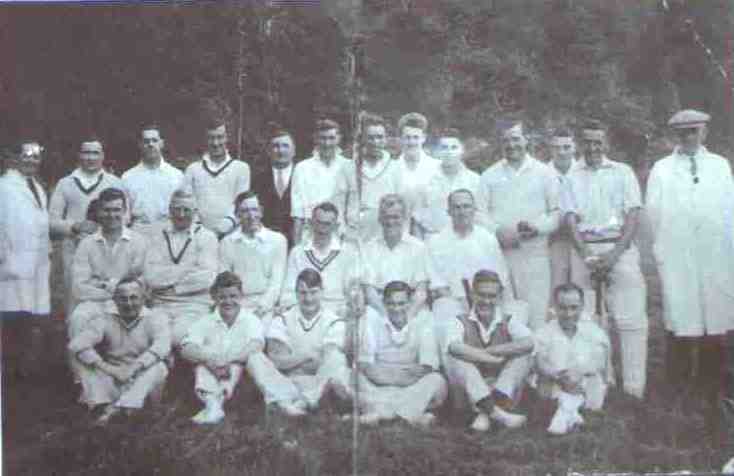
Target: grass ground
{"type": "Point", "coordinates": [46, 433]}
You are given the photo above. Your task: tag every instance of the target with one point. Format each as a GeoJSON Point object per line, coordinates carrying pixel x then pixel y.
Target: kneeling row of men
{"type": "Point", "coordinates": [406, 361]}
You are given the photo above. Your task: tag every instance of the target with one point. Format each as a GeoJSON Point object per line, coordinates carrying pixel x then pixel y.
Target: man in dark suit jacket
{"type": "Point", "coordinates": [273, 185]}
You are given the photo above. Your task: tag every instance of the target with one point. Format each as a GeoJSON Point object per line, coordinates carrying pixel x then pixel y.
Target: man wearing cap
{"type": "Point", "coordinates": [362, 182]}
{"type": "Point", "coordinates": [257, 254]}
{"type": "Point", "coordinates": [414, 166]}
{"type": "Point", "coordinates": [180, 265]}
{"type": "Point", "coordinates": [452, 175]}
{"type": "Point", "coordinates": [314, 179]}
{"type": "Point", "coordinates": [399, 362]}
{"type": "Point", "coordinates": [216, 180]}
{"type": "Point", "coordinates": [150, 184]}
{"type": "Point", "coordinates": [336, 260]}
{"type": "Point", "coordinates": [273, 185]}
{"type": "Point", "coordinates": [689, 199]}
{"type": "Point", "coordinates": [396, 255]}
{"type": "Point", "coordinates": [562, 147]}
{"type": "Point", "coordinates": [306, 343]}
{"type": "Point", "coordinates": [518, 199]}
{"type": "Point", "coordinates": [132, 364]}
{"type": "Point", "coordinates": [602, 223]}
{"type": "Point", "coordinates": [104, 258]}
{"type": "Point", "coordinates": [487, 354]}
{"type": "Point", "coordinates": [24, 259]}
{"type": "Point", "coordinates": [69, 203]}
{"type": "Point", "coordinates": [457, 253]}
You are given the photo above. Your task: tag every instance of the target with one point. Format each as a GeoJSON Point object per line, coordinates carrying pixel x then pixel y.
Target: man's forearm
{"type": "Point", "coordinates": [629, 230]}
{"type": "Point", "coordinates": [471, 354]}
{"type": "Point", "coordinates": [512, 349]}
{"type": "Point", "coordinates": [297, 229]}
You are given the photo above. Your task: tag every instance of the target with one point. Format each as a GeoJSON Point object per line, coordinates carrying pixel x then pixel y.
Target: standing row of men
{"type": "Point", "coordinates": [581, 217]}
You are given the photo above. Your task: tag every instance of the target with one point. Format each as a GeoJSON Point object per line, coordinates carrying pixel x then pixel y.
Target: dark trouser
{"type": "Point", "coordinates": [22, 342]}
{"type": "Point", "coordinates": [696, 364]}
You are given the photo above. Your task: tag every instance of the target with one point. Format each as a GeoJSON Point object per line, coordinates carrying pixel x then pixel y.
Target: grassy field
{"type": "Point", "coordinates": [46, 433]}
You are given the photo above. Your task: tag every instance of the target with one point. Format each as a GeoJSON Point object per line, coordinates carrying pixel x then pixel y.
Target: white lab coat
{"type": "Point", "coordinates": [691, 242]}
{"type": "Point", "coordinates": [24, 247]}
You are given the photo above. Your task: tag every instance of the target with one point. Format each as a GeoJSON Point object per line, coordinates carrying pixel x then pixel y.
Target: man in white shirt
{"type": "Point", "coordinates": [562, 149]}
{"type": "Point", "coordinates": [337, 261]}
{"type": "Point", "coordinates": [227, 342]}
{"type": "Point", "coordinates": [216, 180]}
{"type": "Point", "coordinates": [603, 224]}
{"type": "Point", "coordinates": [518, 199]}
{"type": "Point", "coordinates": [132, 367]}
{"type": "Point", "coordinates": [396, 255]}
{"type": "Point", "coordinates": [571, 357]}
{"type": "Point", "coordinates": [487, 353]}
{"type": "Point", "coordinates": [104, 258]}
{"type": "Point", "coordinates": [415, 167]}
{"type": "Point", "coordinates": [257, 254]}
{"type": "Point", "coordinates": [456, 254]}
{"type": "Point", "coordinates": [399, 363]}
{"type": "Point", "coordinates": [689, 202]}
{"type": "Point", "coordinates": [314, 179]}
{"type": "Point", "coordinates": [151, 183]}
{"type": "Point", "coordinates": [24, 260]}
{"type": "Point", "coordinates": [180, 265]}
{"type": "Point", "coordinates": [306, 343]}
{"type": "Point", "coordinates": [70, 201]}
{"type": "Point", "coordinates": [452, 175]}
{"type": "Point", "coordinates": [363, 181]}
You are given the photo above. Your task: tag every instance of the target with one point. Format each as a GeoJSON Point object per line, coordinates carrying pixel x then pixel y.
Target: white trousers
{"type": "Point", "coordinates": [333, 371]}
{"type": "Point", "coordinates": [627, 315]}
{"type": "Point", "coordinates": [98, 387]}
{"type": "Point", "coordinates": [531, 274]}
{"type": "Point", "coordinates": [181, 316]}
{"type": "Point", "coordinates": [274, 386]}
{"type": "Point", "coordinates": [409, 402]}
{"type": "Point", "coordinates": [466, 381]}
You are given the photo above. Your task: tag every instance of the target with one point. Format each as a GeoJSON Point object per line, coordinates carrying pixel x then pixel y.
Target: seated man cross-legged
{"type": "Point", "coordinates": [306, 342]}
{"type": "Point", "coordinates": [132, 367]}
{"type": "Point", "coordinates": [571, 357]}
{"type": "Point", "coordinates": [487, 353]}
{"type": "Point", "coordinates": [224, 343]}
{"type": "Point", "coordinates": [398, 362]}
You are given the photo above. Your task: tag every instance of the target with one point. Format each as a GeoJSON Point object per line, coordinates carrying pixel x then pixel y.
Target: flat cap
{"type": "Point", "coordinates": [688, 118]}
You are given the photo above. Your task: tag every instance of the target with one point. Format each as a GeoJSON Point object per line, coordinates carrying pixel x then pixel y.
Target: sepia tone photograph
{"type": "Point", "coordinates": [367, 237]}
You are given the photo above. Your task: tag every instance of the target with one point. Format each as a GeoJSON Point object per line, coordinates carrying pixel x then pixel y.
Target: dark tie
{"type": "Point", "coordinates": [32, 186]}
{"type": "Point", "coordinates": [694, 168]}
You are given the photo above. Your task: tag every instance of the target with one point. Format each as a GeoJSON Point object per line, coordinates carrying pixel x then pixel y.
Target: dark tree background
{"type": "Point", "coordinates": [70, 70]}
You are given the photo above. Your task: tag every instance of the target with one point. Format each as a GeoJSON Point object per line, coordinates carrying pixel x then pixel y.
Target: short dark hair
{"type": "Point", "coordinates": [91, 138]}
{"type": "Point", "coordinates": [594, 125]}
{"type": "Point", "coordinates": [568, 287]}
{"type": "Point", "coordinates": [449, 132]}
{"type": "Point", "coordinates": [151, 126]}
{"type": "Point", "coordinates": [276, 130]}
{"type": "Point", "coordinates": [486, 276]}
{"type": "Point", "coordinates": [562, 131]}
{"type": "Point", "coordinates": [225, 279]}
{"type": "Point", "coordinates": [92, 208]}
{"type": "Point", "coordinates": [396, 287]}
{"type": "Point", "coordinates": [461, 190]}
{"type": "Point", "coordinates": [413, 119]}
{"type": "Point", "coordinates": [311, 278]}
{"type": "Point", "coordinates": [111, 194]}
{"type": "Point", "coordinates": [373, 120]}
{"type": "Point", "coordinates": [327, 125]}
{"type": "Point", "coordinates": [327, 207]}
{"type": "Point", "coordinates": [242, 196]}
{"type": "Point", "coordinates": [130, 278]}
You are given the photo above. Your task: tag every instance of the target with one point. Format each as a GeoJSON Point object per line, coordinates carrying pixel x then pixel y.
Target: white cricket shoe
{"type": "Point", "coordinates": [510, 420]}
{"type": "Point", "coordinates": [481, 423]}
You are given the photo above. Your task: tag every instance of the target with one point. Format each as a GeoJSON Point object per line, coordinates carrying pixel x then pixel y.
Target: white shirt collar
{"type": "Point", "coordinates": [240, 235]}
{"type": "Point", "coordinates": [605, 164]}
{"type": "Point", "coordinates": [86, 178]}
{"type": "Point", "coordinates": [214, 167]}
{"type": "Point", "coordinates": [486, 332]}
{"type": "Point", "coordinates": [527, 163]}
{"type": "Point", "coordinates": [334, 245]}
{"type": "Point", "coordinates": [98, 236]}
{"type": "Point", "coordinates": [397, 336]}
